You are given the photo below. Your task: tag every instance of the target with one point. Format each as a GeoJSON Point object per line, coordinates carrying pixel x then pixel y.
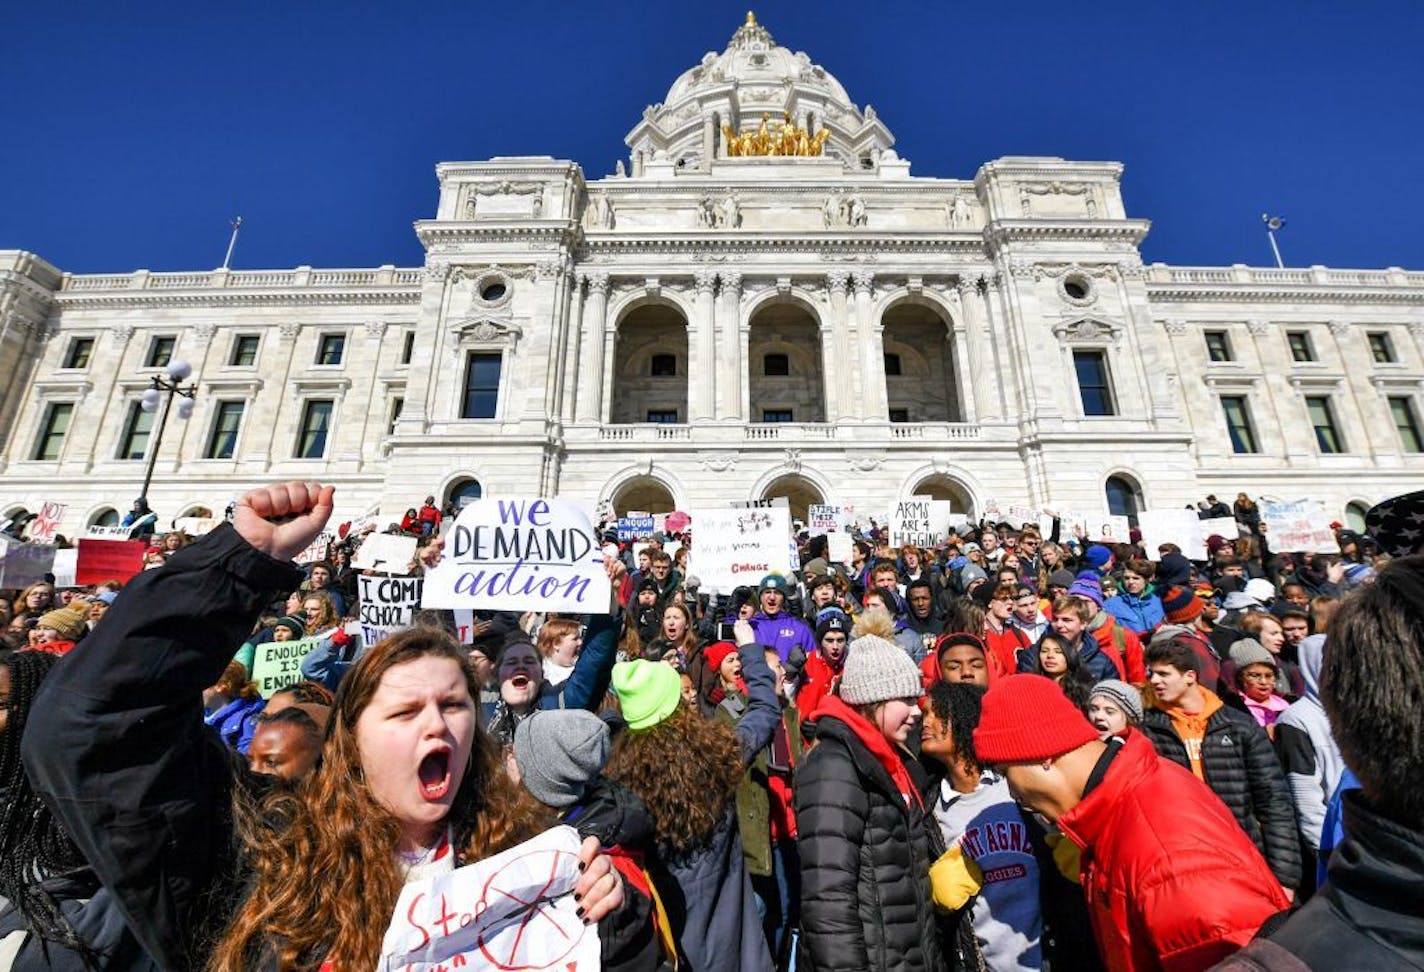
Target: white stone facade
{"type": "Point", "coordinates": [699, 328]}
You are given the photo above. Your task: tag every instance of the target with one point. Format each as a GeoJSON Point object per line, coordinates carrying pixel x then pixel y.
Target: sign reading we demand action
{"type": "Point", "coordinates": [520, 555]}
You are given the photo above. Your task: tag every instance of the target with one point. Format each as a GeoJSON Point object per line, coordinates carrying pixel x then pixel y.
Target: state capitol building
{"type": "Point", "coordinates": [760, 301]}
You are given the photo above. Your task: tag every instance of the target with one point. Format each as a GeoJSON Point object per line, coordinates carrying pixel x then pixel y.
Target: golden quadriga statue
{"type": "Point", "coordinates": [771, 138]}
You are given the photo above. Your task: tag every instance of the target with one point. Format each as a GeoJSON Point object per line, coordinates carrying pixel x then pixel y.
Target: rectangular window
{"type": "Point", "coordinates": [81, 350]}
{"type": "Point", "coordinates": [244, 350]}
{"type": "Point", "coordinates": [1238, 424]}
{"type": "Point", "coordinates": [481, 386]}
{"type": "Point", "coordinates": [1094, 384]}
{"type": "Point", "coordinates": [776, 365]}
{"type": "Point", "coordinates": [138, 426]}
{"type": "Point", "coordinates": [330, 349]}
{"type": "Point", "coordinates": [662, 416]}
{"type": "Point", "coordinates": [223, 442]}
{"type": "Point", "coordinates": [160, 352]}
{"type": "Point", "coordinates": [1322, 419]}
{"type": "Point", "coordinates": [407, 347]}
{"type": "Point", "coordinates": [52, 432]}
{"type": "Point", "coordinates": [664, 366]}
{"type": "Point", "coordinates": [1381, 348]}
{"type": "Point", "coordinates": [899, 415]}
{"type": "Point", "coordinates": [776, 415]}
{"type": "Point", "coordinates": [1407, 423]}
{"type": "Point", "coordinates": [892, 365]}
{"type": "Point", "coordinates": [316, 423]}
{"type": "Point", "coordinates": [397, 406]}
{"type": "Point", "coordinates": [1218, 346]}
{"type": "Point", "coordinates": [1300, 347]}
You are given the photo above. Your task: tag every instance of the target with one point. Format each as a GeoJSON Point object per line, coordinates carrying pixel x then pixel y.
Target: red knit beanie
{"type": "Point", "coordinates": [1027, 718]}
{"type": "Point", "coordinates": [717, 653]}
{"type": "Point", "coordinates": [1181, 605]}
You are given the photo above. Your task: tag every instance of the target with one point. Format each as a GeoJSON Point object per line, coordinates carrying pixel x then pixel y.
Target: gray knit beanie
{"type": "Point", "coordinates": [877, 670]}
{"type": "Point", "coordinates": [1249, 651]}
{"type": "Point", "coordinates": [1127, 698]}
{"type": "Point", "coordinates": [558, 752]}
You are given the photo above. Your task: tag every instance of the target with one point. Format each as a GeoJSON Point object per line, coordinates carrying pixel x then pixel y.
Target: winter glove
{"type": "Point", "coordinates": [1066, 855]}
{"type": "Point", "coordinates": [954, 879]}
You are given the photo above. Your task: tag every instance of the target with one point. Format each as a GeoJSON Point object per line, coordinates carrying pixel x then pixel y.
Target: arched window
{"type": "Point", "coordinates": [1355, 516]}
{"type": "Point", "coordinates": [1124, 498]}
{"type": "Point", "coordinates": [465, 492]}
{"type": "Point", "coordinates": [108, 516]}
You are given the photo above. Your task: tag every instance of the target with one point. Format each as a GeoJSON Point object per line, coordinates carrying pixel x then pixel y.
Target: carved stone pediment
{"type": "Point", "coordinates": [1087, 330]}
{"type": "Point", "coordinates": [486, 330]}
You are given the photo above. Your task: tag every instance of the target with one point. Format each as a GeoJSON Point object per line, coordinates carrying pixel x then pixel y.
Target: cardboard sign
{"type": "Point", "coordinates": [919, 522]}
{"type": "Point", "coordinates": [1172, 526]}
{"type": "Point", "coordinates": [66, 566]}
{"type": "Point", "coordinates": [520, 555]}
{"type": "Point", "coordinates": [636, 527]}
{"type": "Point", "coordinates": [515, 910]}
{"type": "Point", "coordinates": [23, 564]}
{"type": "Point", "coordinates": [1299, 527]}
{"type": "Point", "coordinates": [840, 548]}
{"type": "Point", "coordinates": [277, 664]}
{"type": "Point", "coordinates": [387, 552]}
{"type": "Point", "coordinates": [44, 526]}
{"type": "Point", "coordinates": [732, 548]}
{"type": "Point", "coordinates": [1222, 526]}
{"type": "Point", "coordinates": [106, 560]}
{"type": "Point", "coordinates": [388, 604]}
{"type": "Point", "coordinates": [316, 550]}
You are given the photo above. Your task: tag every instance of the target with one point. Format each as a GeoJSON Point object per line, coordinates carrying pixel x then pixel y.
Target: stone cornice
{"type": "Point", "coordinates": [240, 298]}
{"type": "Point", "coordinates": [1239, 293]}
{"type": "Point", "coordinates": [1002, 231]}
{"type": "Point", "coordinates": [517, 230]}
{"type": "Point", "coordinates": [841, 245]}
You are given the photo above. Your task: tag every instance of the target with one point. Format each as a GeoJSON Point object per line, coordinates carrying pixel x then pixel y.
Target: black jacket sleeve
{"type": "Point", "coordinates": [117, 749]}
{"type": "Point", "coordinates": [1271, 799]}
{"type": "Point", "coordinates": [831, 814]}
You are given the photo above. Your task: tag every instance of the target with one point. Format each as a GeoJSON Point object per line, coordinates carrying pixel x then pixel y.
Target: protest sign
{"type": "Point", "coordinates": [839, 548]}
{"type": "Point", "coordinates": [777, 502]}
{"type": "Point", "coordinates": [678, 521]}
{"type": "Point", "coordinates": [465, 625]}
{"type": "Point", "coordinates": [1017, 514]}
{"type": "Point", "coordinates": [1107, 528]}
{"type": "Point", "coordinates": [515, 910]}
{"type": "Point", "coordinates": [1299, 527]}
{"type": "Point", "coordinates": [740, 546]}
{"type": "Point", "coordinates": [316, 550]}
{"type": "Point", "coordinates": [520, 555]}
{"type": "Point", "coordinates": [106, 560]}
{"type": "Point", "coordinates": [46, 524]}
{"type": "Point", "coordinates": [1180, 527]}
{"type": "Point", "coordinates": [919, 522]}
{"type": "Point", "coordinates": [387, 552]}
{"type": "Point", "coordinates": [1221, 526]}
{"type": "Point", "coordinates": [826, 518]}
{"type": "Point", "coordinates": [66, 564]}
{"type": "Point", "coordinates": [109, 532]}
{"type": "Point", "coordinates": [635, 527]}
{"type": "Point", "coordinates": [24, 564]}
{"type": "Point", "coordinates": [388, 605]}
{"type": "Point", "coordinates": [277, 664]}
{"type": "Point", "coordinates": [196, 526]}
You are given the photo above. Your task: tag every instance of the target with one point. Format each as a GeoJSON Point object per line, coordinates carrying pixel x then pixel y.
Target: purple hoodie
{"type": "Point", "coordinates": [783, 632]}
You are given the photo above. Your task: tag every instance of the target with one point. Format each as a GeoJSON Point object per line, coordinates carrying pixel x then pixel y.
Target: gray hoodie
{"type": "Point", "coordinates": [1307, 746]}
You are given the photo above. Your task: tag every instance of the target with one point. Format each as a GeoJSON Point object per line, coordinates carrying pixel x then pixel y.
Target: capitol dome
{"type": "Point", "coordinates": [754, 79]}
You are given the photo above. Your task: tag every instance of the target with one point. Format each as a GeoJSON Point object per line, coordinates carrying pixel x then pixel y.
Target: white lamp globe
{"type": "Point", "coordinates": [149, 401]}
{"type": "Point", "coordinates": [185, 407]}
{"type": "Point", "coordinates": [179, 370]}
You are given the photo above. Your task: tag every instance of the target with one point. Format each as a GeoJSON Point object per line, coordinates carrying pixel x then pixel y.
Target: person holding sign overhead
{"type": "Point", "coordinates": [409, 785]}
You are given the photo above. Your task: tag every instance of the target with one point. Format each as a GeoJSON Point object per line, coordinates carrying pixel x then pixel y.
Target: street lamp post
{"type": "Point", "coordinates": [178, 372]}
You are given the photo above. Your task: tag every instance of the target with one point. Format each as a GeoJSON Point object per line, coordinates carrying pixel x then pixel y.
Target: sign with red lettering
{"type": "Point", "coordinates": [106, 560]}
{"type": "Point", "coordinates": [46, 524]}
{"type": "Point", "coordinates": [513, 911]}
{"type": "Point", "coordinates": [732, 548]}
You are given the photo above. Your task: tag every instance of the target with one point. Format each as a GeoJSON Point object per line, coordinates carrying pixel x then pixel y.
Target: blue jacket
{"type": "Point", "coordinates": [783, 632]}
{"type": "Point", "coordinates": [1140, 614]}
{"type": "Point", "coordinates": [585, 688]}
{"type": "Point", "coordinates": [236, 722]}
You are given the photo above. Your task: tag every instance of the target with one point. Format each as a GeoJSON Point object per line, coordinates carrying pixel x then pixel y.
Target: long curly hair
{"type": "Point", "coordinates": [327, 619]}
{"type": "Point", "coordinates": [322, 854]}
{"type": "Point", "coordinates": [686, 770]}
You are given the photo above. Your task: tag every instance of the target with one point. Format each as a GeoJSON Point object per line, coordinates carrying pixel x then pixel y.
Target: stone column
{"type": "Point", "coordinates": [730, 395]}
{"type": "Point", "coordinates": [874, 398]}
{"type": "Point", "coordinates": [702, 351]}
{"type": "Point", "coordinates": [964, 370]}
{"type": "Point", "coordinates": [590, 379]}
{"type": "Point", "coordinates": [839, 366]}
{"type": "Point", "coordinates": [577, 338]}
{"type": "Point", "coordinates": [419, 389]}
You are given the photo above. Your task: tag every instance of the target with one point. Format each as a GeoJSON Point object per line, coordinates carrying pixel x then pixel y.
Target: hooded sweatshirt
{"type": "Point", "coordinates": [1312, 759]}
{"type": "Point", "coordinates": [1191, 726]}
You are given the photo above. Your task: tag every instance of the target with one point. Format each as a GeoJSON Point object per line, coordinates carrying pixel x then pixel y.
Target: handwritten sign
{"type": "Point", "coordinates": [740, 546]}
{"type": "Point", "coordinates": [827, 518]}
{"type": "Point", "coordinates": [520, 555]}
{"type": "Point", "coordinates": [316, 550]}
{"type": "Point", "coordinates": [388, 552]}
{"type": "Point", "coordinates": [277, 664]}
{"type": "Point", "coordinates": [1180, 527]}
{"type": "Point", "coordinates": [46, 524]}
{"type": "Point", "coordinates": [840, 547]}
{"type": "Point", "coordinates": [23, 564]}
{"type": "Point", "coordinates": [919, 522]}
{"type": "Point", "coordinates": [109, 532]}
{"type": "Point", "coordinates": [636, 527]}
{"type": "Point", "coordinates": [515, 910]}
{"type": "Point", "coordinates": [106, 560]}
{"type": "Point", "coordinates": [66, 565]}
{"type": "Point", "coordinates": [1299, 527]}
{"type": "Point", "coordinates": [388, 604]}
{"type": "Point", "coordinates": [1222, 526]}
{"type": "Point", "coordinates": [196, 526]}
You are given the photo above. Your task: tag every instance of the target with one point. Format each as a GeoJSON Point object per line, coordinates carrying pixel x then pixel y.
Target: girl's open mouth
{"type": "Point", "coordinates": [434, 774]}
{"type": "Point", "coordinates": [520, 681]}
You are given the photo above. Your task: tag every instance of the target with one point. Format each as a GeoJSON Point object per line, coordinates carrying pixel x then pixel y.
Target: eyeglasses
{"type": "Point", "coordinates": [1259, 676]}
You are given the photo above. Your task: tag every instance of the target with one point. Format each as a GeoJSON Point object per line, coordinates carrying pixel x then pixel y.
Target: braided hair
{"type": "Point", "coordinates": [33, 845]}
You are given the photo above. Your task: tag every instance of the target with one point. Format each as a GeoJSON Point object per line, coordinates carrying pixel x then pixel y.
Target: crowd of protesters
{"type": "Point", "coordinates": [1011, 751]}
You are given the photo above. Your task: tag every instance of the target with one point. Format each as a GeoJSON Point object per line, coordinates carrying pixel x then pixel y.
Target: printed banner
{"type": "Point", "coordinates": [520, 555]}
{"type": "Point", "coordinates": [515, 910]}
{"type": "Point", "coordinates": [635, 527]}
{"type": "Point", "coordinates": [919, 522]}
{"type": "Point", "coordinates": [1299, 527]}
{"type": "Point", "coordinates": [46, 524]}
{"type": "Point", "coordinates": [106, 560]}
{"type": "Point", "coordinates": [277, 664]}
{"type": "Point", "coordinates": [1172, 526]}
{"type": "Point", "coordinates": [740, 546]}
{"type": "Point", "coordinates": [388, 604]}
{"type": "Point", "coordinates": [23, 564]}
{"type": "Point", "coordinates": [390, 553]}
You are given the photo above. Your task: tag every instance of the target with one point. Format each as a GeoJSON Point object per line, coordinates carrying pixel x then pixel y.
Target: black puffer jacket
{"type": "Point", "coordinates": [865, 860]}
{"type": "Point", "coordinates": [1240, 766]}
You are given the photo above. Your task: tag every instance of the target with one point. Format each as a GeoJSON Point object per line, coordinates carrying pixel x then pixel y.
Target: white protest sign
{"type": "Point", "coordinates": [515, 910]}
{"type": "Point", "coordinates": [23, 564]}
{"type": "Point", "coordinates": [277, 664]}
{"type": "Point", "coordinates": [1017, 514]}
{"type": "Point", "coordinates": [46, 524]}
{"type": "Point", "coordinates": [1222, 526]}
{"type": "Point", "coordinates": [1108, 529]}
{"type": "Point", "coordinates": [840, 548]}
{"type": "Point", "coordinates": [826, 518]}
{"type": "Point", "coordinates": [196, 526]}
{"type": "Point", "coordinates": [388, 605]}
{"type": "Point", "coordinates": [521, 555]}
{"type": "Point", "coordinates": [778, 502]}
{"type": "Point", "coordinates": [1299, 527]}
{"type": "Point", "coordinates": [108, 532]}
{"type": "Point", "coordinates": [465, 625]}
{"type": "Point", "coordinates": [740, 546]}
{"type": "Point", "coordinates": [1180, 527]}
{"type": "Point", "coordinates": [316, 550]}
{"type": "Point", "coordinates": [388, 552]}
{"type": "Point", "coordinates": [66, 565]}
{"type": "Point", "coordinates": [919, 522]}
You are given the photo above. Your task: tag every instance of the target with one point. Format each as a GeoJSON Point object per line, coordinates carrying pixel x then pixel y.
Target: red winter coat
{"type": "Point", "coordinates": [1172, 881]}
{"type": "Point", "coordinates": [1120, 644]}
{"type": "Point", "coordinates": [818, 675]}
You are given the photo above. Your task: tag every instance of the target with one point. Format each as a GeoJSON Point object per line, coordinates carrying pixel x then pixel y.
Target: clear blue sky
{"type": "Point", "coordinates": [135, 131]}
